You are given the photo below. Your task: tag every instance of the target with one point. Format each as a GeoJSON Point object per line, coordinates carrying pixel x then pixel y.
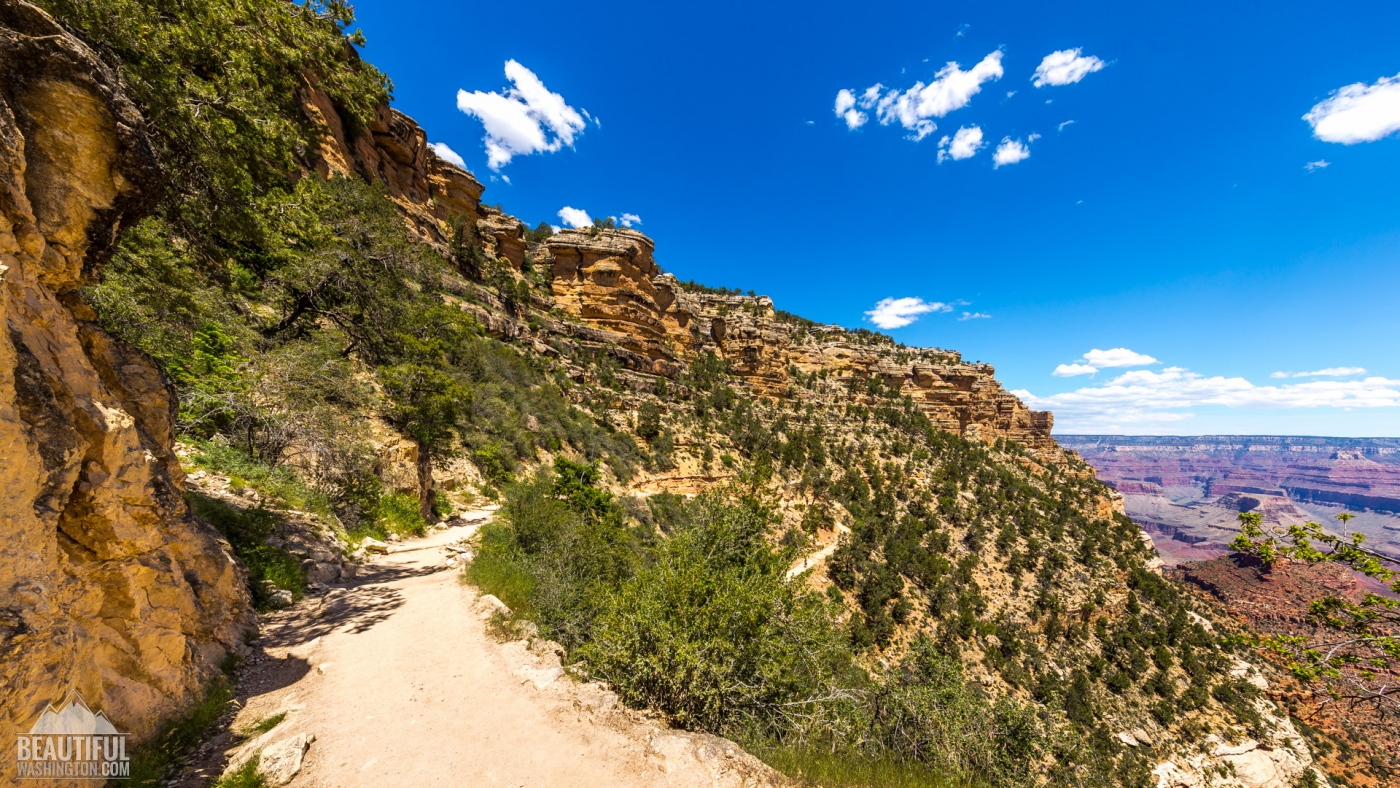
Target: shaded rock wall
{"type": "Point", "coordinates": [611, 282]}
{"type": "Point", "coordinates": [106, 584]}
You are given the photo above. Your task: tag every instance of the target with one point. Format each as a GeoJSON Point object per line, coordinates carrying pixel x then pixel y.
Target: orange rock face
{"type": "Point", "coordinates": [107, 585]}
{"type": "Point", "coordinates": [610, 281]}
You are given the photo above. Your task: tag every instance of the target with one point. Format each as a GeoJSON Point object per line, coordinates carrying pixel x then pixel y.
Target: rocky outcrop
{"type": "Point", "coordinates": [393, 150]}
{"type": "Point", "coordinates": [610, 280]}
{"type": "Point", "coordinates": [107, 586]}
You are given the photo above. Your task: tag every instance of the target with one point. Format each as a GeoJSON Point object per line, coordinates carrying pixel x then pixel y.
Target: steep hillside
{"type": "Point", "coordinates": [889, 559]}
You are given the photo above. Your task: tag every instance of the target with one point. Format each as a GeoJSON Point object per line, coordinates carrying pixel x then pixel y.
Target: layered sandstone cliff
{"type": "Point", "coordinates": [611, 282]}
{"type": "Point", "coordinates": [107, 585]}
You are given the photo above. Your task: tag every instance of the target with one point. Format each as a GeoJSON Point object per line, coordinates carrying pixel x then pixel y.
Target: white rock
{"type": "Point", "coordinates": [541, 677]}
{"type": "Point", "coordinates": [371, 545]}
{"type": "Point", "coordinates": [280, 762]}
{"type": "Point", "coordinates": [702, 758]}
{"type": "Point", "coordinates": [1127, 738]}
{"type": "Point", "coordinates": [491, 603]}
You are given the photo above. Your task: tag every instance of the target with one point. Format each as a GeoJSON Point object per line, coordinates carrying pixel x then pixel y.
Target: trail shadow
{"type": "Point", "coordinates": [355, 607]}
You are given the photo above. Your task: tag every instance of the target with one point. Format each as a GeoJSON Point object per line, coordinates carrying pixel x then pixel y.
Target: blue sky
{"type": "Point", "coordinates": [1176, 217]}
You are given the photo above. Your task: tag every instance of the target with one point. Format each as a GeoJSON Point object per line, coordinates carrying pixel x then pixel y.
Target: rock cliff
{"type": "Point", "coordinates": [611, 282]}
{"type": "Point", "coordinates": [107, 585]}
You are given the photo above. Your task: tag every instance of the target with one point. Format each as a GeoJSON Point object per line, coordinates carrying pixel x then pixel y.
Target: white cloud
{"type": "Point", "coordinates": [1118, 357]}
{"type": "Point", "coordinates": [1070, 370]}
{"type": "Point", "coordinates": [1010, 151]}
{"type": "Point", "coordinates": [963, 145]}
{"type": "Point", "coordinates": [1062, 125]}
{"type": "Point", "coordinates": [556, 229]}
{"type": "Point", "coordinates": [951, 89]}
{"type": "Point", "coordinates": [575, 217]}
{"type": "Point", "coordinates": [974, 316]}
{"type": "Point", "coordinates": [1145, 396]}
{"type": "Point", "coordinates": [526, 118]}
{"type": "Point", "coordinates": [1358, 112]}
{"type": "Point", "coordinates": [1330, 372]}
{"type": "Point", "coordinates": [447, 154]}
{"type": "Point", "coordinates": [1065, 67]}
{"type": "Point", "coordinates": [845, 109]}
{"type": "Point", "coordinates": [1317, 165]}
{"type": "Point", "coordinates": [900, 312]}
{"type": "Point", "coordinates": [1096, 359]}
{"type": "Point", "coordinates": [629, 219]}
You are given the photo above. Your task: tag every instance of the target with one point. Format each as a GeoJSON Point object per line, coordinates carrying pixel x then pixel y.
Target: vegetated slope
{"type": "Point", "coordinates": [334, 305]}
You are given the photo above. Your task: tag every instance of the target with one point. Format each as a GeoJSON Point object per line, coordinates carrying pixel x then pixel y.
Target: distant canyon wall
{"type": "Point", "coordinates": [1362, 473]}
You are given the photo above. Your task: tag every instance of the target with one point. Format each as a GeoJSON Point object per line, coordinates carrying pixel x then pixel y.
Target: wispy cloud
{"type": "Point", "coordinates": [1143, 396]}
{"type": "Point", "coordinates": [900, 312]}
{"type": "Point", "coordinates": [1065, 67]}
{"type": "Point", "coordinates": [974, 316]}
{"type": "Point", "coordinates": [1358, 112]}
{"type": "Point", "coordinates": [575, 217]}
{"type": "Point", "coordinates": [962, 145]}
{"type": "Point", "coordinates": [447, 154]}
{"type": "Point", "coordinates": [1317, 165]}
{"type": "Point", "coordinates": [1062, 125]}
{"type": "Point", "coordinates": [951, 89]}
{"type": "Point", "coordinates": [1330, 372]}
{"type": "Point", "coordinates": [526, 118]}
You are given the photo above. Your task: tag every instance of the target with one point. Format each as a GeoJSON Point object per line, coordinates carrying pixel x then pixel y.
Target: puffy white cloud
{"type": "Point", "coordinates": [1118, 357]}
{"type": "Point", "coordinates": [526, 118]}
{"type": "Point", "coordinates": [447, 154]}
{"type": "Point", "coordinates": [1065, 67]}
{"type": "Point", "coordinates": [900, 312]}
{"type": "Point", "coordinates": [845, 109]}
{"type": "Point", "coordinates": [575, 217]}
{"type": "Point", "coordinates": [1320, 164]}
{"type": "Point", "coordinates": [1358, 112]}
{"type": "Point", "coordinates": [1145, 396]}
{"type": "Point", "coordinates": [1010, 151]}
{"type": "Point", "coordinates": [974, 316]}
{"type": "Point", "coordinates": [951, 89]}
{"type": "Point", "coordinates": [963, 145]}
{"type": "Point", "coordinates": [1330, 372]}
{"type": "Point", "coordinates": [629, 219]}
{"type": "Point", "coordinates": [1096, 359]}
{"type": "Point", "coordinates": [1070, 370]}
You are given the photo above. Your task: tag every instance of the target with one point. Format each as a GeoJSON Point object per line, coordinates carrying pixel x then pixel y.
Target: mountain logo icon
{"type": "Point", "coordinates": [73, 742]}
{"type": "Point", "coordinates": [73, 719]}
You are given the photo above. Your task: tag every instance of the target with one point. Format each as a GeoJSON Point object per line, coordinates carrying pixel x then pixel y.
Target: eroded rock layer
{"type": "Point", "coordinates": [107, 585]}
{"type": "Point", "coordinates": [612, 283]}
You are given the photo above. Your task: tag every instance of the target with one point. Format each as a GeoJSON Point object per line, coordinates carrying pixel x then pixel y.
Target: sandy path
{"type": "Point", "coordinates": [406, 688]}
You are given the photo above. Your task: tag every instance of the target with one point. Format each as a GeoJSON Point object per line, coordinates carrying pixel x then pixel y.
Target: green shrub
{"type": "Point", "coordinates": [711, 633]}
{"type": "Point", "coordinates": [247, 531]}
{"type": "Point", "coordinates": [397, 513]}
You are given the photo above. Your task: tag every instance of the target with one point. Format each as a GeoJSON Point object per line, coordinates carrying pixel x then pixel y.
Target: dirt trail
{"type": "Point", "coordinates": [401, 685]}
